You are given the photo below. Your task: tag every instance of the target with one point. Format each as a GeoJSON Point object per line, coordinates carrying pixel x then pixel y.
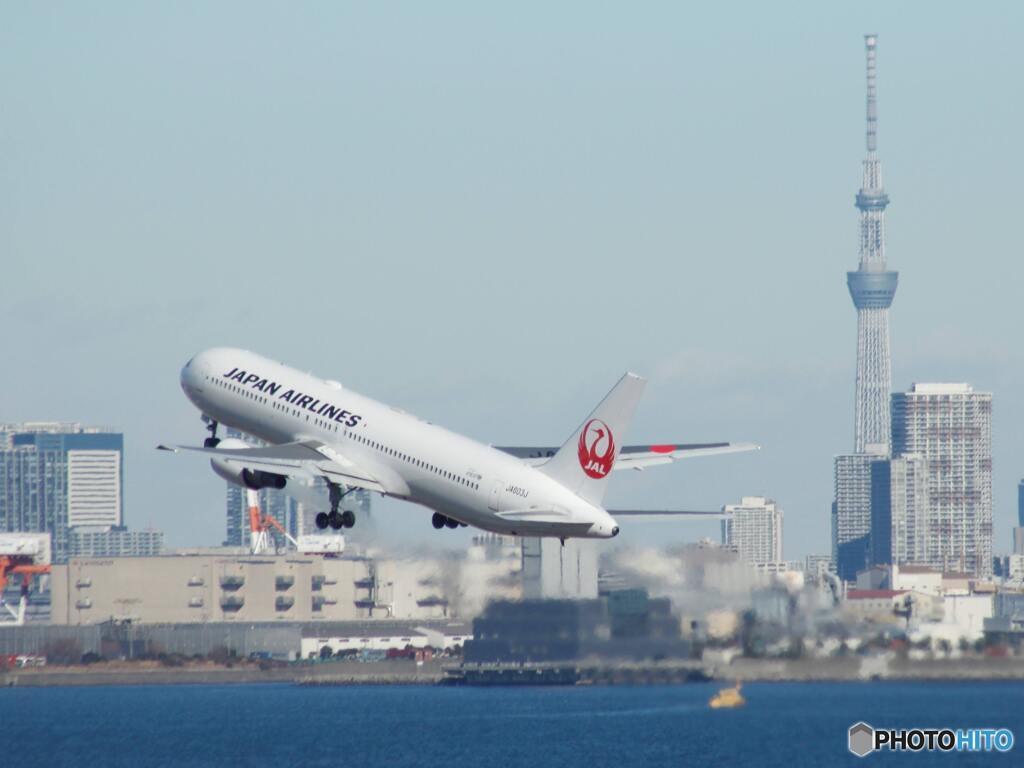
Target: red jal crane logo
{"type": "Point", "coordinates": [596, 449]}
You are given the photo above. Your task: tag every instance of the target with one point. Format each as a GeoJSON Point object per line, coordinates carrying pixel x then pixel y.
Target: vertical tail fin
{"type": "Point", "coordinates": [583, 464]}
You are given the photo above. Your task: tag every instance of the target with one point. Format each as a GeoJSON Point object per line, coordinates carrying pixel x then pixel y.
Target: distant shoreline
{"type": "Point", "coordinates": [378, 673]}
{"type": "Point", "coordinates": [569, 673]}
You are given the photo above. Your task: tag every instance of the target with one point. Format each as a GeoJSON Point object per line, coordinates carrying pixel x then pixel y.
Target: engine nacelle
{"type": "Point", "coordinates": [247, 478]}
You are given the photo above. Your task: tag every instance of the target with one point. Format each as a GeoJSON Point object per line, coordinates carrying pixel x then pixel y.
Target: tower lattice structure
{"type": "Point", "coordinates": [872, 287]}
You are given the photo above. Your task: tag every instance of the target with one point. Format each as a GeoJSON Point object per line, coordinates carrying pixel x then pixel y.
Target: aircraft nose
{"type": "Point", "coordinates": [193, 371]}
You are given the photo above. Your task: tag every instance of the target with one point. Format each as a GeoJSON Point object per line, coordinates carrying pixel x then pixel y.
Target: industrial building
{"type": "Point", "coordinates": [623, 624]}
{"type": "Point", "coordinates": [256, 588]}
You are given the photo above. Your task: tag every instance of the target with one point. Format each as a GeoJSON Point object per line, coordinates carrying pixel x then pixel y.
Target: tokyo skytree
{"type": "Point", "coordinates": [872, 288]}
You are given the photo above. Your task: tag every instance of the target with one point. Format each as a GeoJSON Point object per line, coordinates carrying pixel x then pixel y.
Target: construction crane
{"type": "Point", "coordinates": [260, 525]}
{"type": "Point", "coordinates": [26, 555]}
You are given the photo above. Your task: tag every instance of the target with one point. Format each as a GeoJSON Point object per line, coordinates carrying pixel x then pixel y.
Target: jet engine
{"type": "Point", "coordinates": [247, 478]}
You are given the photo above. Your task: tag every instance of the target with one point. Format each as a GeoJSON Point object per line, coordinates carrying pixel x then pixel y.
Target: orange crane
{"type": "Point", "coordinates": [26, 555]}
{"type": "Point", "coordinates": [260, 524]}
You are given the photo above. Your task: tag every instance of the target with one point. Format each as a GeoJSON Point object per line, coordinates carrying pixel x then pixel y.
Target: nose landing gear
{"type": "Point", "coordinates": [212, 440]}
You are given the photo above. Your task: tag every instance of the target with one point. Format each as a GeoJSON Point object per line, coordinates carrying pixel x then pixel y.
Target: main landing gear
{"type": "Point", "coordinates": [212, 440]}
{"type": "Point", "coordinates": [439, 521]}
{"type": "Point", "coordinates": [335, 519]}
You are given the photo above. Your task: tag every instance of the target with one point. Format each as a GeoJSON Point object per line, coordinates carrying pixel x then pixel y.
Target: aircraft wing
{"type": "Point", "coordinates": [305, 458]}
{"type": "Point", "coordinates": [638, 456]}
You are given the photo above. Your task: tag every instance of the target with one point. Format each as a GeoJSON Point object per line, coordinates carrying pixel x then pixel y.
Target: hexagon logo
{"type": "Point", "coordinates": [861, 739]}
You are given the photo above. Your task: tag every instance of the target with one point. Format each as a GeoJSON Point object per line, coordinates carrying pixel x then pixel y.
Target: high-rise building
{"type": "Point", "coordinates": [950, 426]}
{"type": "Point", "coordinates": [58, 475]}
{"type": "Point", "coordinates": [872, 287]}
{"type": "Point", "coordinates": [1018, 530]}
{"type": "Point", "coordinates": [851, 512]}
{"type": "Point", "coordinates": [753, 529]}
{"type": "Point", "coordinates": [899, 510]}
{"type": "Point", "coordinates": [1020, 504]}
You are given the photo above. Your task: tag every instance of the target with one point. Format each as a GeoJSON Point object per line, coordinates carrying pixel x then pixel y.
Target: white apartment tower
{"type": "Point", "coordinates": [753, 528]}
{"type": "Point", "coordinates": [950, 427]}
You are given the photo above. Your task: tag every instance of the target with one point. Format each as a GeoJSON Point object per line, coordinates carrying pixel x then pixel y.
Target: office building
{"type": "Point", "coordinates": [1018, 530]}
{"type": "Point", "coordinates": [58, 475]}
{"type": "Point", "coordinates": [899, 509]}
{"type": "Point", "coordinates": [950, 427]}
{"type": "Point", "coordinates": [851, 512]}
{"type": "Point", "coordinates": [753, 529]}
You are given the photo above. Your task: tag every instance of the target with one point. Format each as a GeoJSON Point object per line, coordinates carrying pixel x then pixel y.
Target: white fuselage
{"type": "Point", "coordinates": [412, 459]}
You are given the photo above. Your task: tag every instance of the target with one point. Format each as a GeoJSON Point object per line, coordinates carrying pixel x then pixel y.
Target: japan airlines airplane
{"type": "Point", "coordinates": [316, 429]}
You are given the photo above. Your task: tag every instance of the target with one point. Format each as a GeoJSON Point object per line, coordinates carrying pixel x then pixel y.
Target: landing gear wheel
{"type": "Point", "coordinates": [322, 520]}
{"type": "Point", "coordinates": [348, 518]}
{"type": "Point", "coordinates": [438, 520]}
{"type": "Point", "coordinates": [335, 520]}
{"type": "Point", "coordinates": [451, 523]}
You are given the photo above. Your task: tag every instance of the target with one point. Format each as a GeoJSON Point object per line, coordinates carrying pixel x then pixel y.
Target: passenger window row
{"type": "Point", "coordinates": [455, 478]}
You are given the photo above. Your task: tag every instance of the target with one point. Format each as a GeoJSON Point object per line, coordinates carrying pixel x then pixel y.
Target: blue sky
{"type": "Point", "coordinates": [485, 214]}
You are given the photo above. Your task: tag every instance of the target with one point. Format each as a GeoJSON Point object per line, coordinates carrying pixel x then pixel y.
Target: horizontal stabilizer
{"type": "Point", "coordinates": [637, 456]}
{"type": "Point", "coordinates": [664, 513]}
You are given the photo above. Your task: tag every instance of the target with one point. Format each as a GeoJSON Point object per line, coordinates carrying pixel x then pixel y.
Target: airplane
{"type": "Point", "coordinates": [316, 429]}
